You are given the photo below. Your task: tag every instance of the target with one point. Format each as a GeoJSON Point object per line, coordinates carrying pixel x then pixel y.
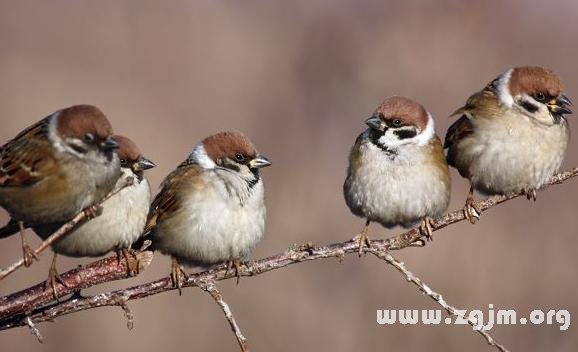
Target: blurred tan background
{"type": "Point", "coordinates": [299, 78]}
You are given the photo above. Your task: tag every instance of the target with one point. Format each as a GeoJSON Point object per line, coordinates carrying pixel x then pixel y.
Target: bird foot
{"type": "Point", "coordinates": [425, 228]}
{"type": "Point", "coordinates": [471, 211]}
{"type": "Point", "coordinates": [362, 241]}
{"type": "Point", "coordinates": [28, 255]}
{"type": "Point", "coordinates": [236, 265]}
{"type": "Point", "coordinates": [93, 211]}
{"type": "Point", "coordinates": [131, 259]}
{"type": "Point", "coordinates": [530, 194]}
{"type": "Point", "coordinates": [178, 275]}
{"type": "Point", "coordinates": [53, 279]}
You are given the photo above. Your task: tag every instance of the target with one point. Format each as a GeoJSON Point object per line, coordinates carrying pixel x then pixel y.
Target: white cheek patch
{"type": "Point", "coordinates": [391, 140]}
{"type": "Point", "coordinates": [63, 146]}
{"type": "Point", "coordinates": [534, 110]}
{"type": "Point", "coordinates": [503, 89]}
{"type": "Point", "coordinates": [427, 134]}
{"type": "Point", "coordinates": [200, 157]}
{"type": "Point", "coordinates": [53, 136]}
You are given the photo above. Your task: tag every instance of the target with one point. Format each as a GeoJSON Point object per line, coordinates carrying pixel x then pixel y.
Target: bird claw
{"type": "Point", "coordinates": [530, 194]}
{"type": "Point", "coordinates": [418, 243]}
{"type": "Point", "coordinates": [93, 211]}
{"type": "Point", "coordinates": [131, 259]}
{"type": "Point", "coordinates": [425, 228]}
{"type": "Point", "coordinates": [53, 279]}
{"type": "Point", "coordinates": [362, 241]}
{"type": "Point", "coordinates": [28, 255]}
{"type": "Point", "coordinates": [471, 210]}
{"type": "Point", "coordinates": [178, 275]}
{"type": "Point", "coordinates": [236, 265]}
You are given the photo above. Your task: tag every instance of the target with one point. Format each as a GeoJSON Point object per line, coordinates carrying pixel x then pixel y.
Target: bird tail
{"type": "Point", "coordinates": [144, 242]}
{"type": "Point", "coordinates": [10, 228]}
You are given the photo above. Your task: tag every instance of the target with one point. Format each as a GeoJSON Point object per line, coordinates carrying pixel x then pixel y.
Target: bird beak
{"type": "Point", "coordinates": [559, 105]}
{"type": "Point", "coordinates": [143, 164]}
{"type": "Point", "coordinates": [259, 162]}
{"type": "Point", "coordinates": [374, 122]}
{"type": "Point", "coordinates": [109, 144]}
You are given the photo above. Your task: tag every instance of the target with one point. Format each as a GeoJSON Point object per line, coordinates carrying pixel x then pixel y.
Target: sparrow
{"type": "Point", "coordinates": [397, 173]}
{"type": "Point", "coordinates": [211, 209]}
{"type": "Point", "coordinates": [122, 219]}
{"type": "Point", "coordinates": [54, 169]}
{"type": "Point", "coordinates": [511, 136]}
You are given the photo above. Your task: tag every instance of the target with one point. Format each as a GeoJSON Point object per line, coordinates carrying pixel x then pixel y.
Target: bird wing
{"type": "Point", "coordinates": [27, 157]}
{"type": "Point", "coordinates": [485, 101]}
{"type": "Point", "coordinates": [168, 200]}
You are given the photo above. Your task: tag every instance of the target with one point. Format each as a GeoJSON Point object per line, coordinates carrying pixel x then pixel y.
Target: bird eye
{"type": "Point", "coordinates": [89, 137]}
{"type": "Point", "coordinates": [239, 157]}
{"type": "Point", "coordinates": [397, 122]}
{"type": "Point", "coordinates": [541, 97]}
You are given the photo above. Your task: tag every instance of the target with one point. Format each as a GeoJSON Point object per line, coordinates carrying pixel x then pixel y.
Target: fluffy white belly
{"type": "Point", "coordinates": [213, 228]}
{"type": "Point", "coordinates": [393, 192]}
{"type": "Point", "coordinates": [522, 156]}
{"type": "Point", "coordinates": [119, 226]}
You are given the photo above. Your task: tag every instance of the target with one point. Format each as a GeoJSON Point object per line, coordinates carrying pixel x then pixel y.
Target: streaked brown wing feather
{"type": "Point", "coordinates": [167, 201]}
{"type": "Point", "coordinates": [484, 100]}
{"type": "Point", "coordinates": [457, 131]}
{"type": "Point", "coordinates": [26, 157]}
{"type": "Point", "coordinates": [438, 160]}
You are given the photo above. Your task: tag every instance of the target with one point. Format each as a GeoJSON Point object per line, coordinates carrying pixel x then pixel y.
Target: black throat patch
{"type": "Point", "coordinates": [374, 137]}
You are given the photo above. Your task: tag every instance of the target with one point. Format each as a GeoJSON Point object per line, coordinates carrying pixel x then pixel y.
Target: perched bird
{"type": "Point", "coordinates": [122, 219]}
{"type": "Point", "coordinates": [397, 172]}
{"type": "Point", "coordinates": [56, 168]}
{"type": "Point", "coordinates": [211, 209]}
{"type": "Point", "coordinates": [511, 136]}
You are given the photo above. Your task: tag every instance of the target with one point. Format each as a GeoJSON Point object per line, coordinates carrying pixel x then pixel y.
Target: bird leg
{"type": "Point", "coordinates": [425, 228]}
{"type": "Point", "coordinates": [131, 259]}
{"type": "Point", "coordinates": [236, 265]}
{"type": "Point", "coordinates": [54, 277]}
{"type": "Point", "coordinates": [471, 211]}
{"type": "Point", "coordinates": [178, 275]}
{"type": "Point", "coordinates": [530, 194]}
{"type": "Point", "coordinates": [27, 253]}
{"type": "Point", "coordinates": [362, 239]}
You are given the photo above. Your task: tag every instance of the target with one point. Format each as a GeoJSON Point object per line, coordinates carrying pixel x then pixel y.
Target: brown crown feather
{"type": "Point", "coordinates": [531, 80]}
{"type": "Point", "coordinates": [127, 149]}
{"type": "Point", "coordinates": [78, 120]}
{"type": "Point", "coordinates": [227, 144]}
{"type": "Point", "coordinates": [405, 109]}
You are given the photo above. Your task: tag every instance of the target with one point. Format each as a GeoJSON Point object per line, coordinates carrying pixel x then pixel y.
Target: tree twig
{"type": "Point", "coordinates": [34, 330]}
{"type": "Point", "coordinates": [31, 302]}
{"type": "Point", "coordinates": [437, 297]}
{"type": "Point", "coordinates": [212, 289]}
{"type": "Point", "coordinates": [62, 231]}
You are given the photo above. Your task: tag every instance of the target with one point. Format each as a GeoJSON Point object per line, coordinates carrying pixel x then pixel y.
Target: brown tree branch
{"type": "Point", "coordinates": [438, 298]}
{"type": "Point", "coordinates": [63, 230]}
{"type": "Point", "coordinates": [212, 289]}
{"type": "Point", "coordinates": [31, 302]}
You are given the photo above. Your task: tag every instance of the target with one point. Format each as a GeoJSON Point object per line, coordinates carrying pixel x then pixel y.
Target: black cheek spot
{"type": "Point", "coordinates": [405, 134]}
{"type": "Point", "coordinates": [531, 108]}
{"type": "Point", "coordinates": [78, 149]}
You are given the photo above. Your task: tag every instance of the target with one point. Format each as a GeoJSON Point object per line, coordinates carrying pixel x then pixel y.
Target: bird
{"type": "Point", "coordinates": [397, 174]}
{"type": "Point", "coordinates": [56, 168]}
{"type": "Point", "coordinates": [122, 219]}
{"type": "Point", "coordinates": [211, 208]}
{"type": "Point", "coordinates": [511, 136]}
